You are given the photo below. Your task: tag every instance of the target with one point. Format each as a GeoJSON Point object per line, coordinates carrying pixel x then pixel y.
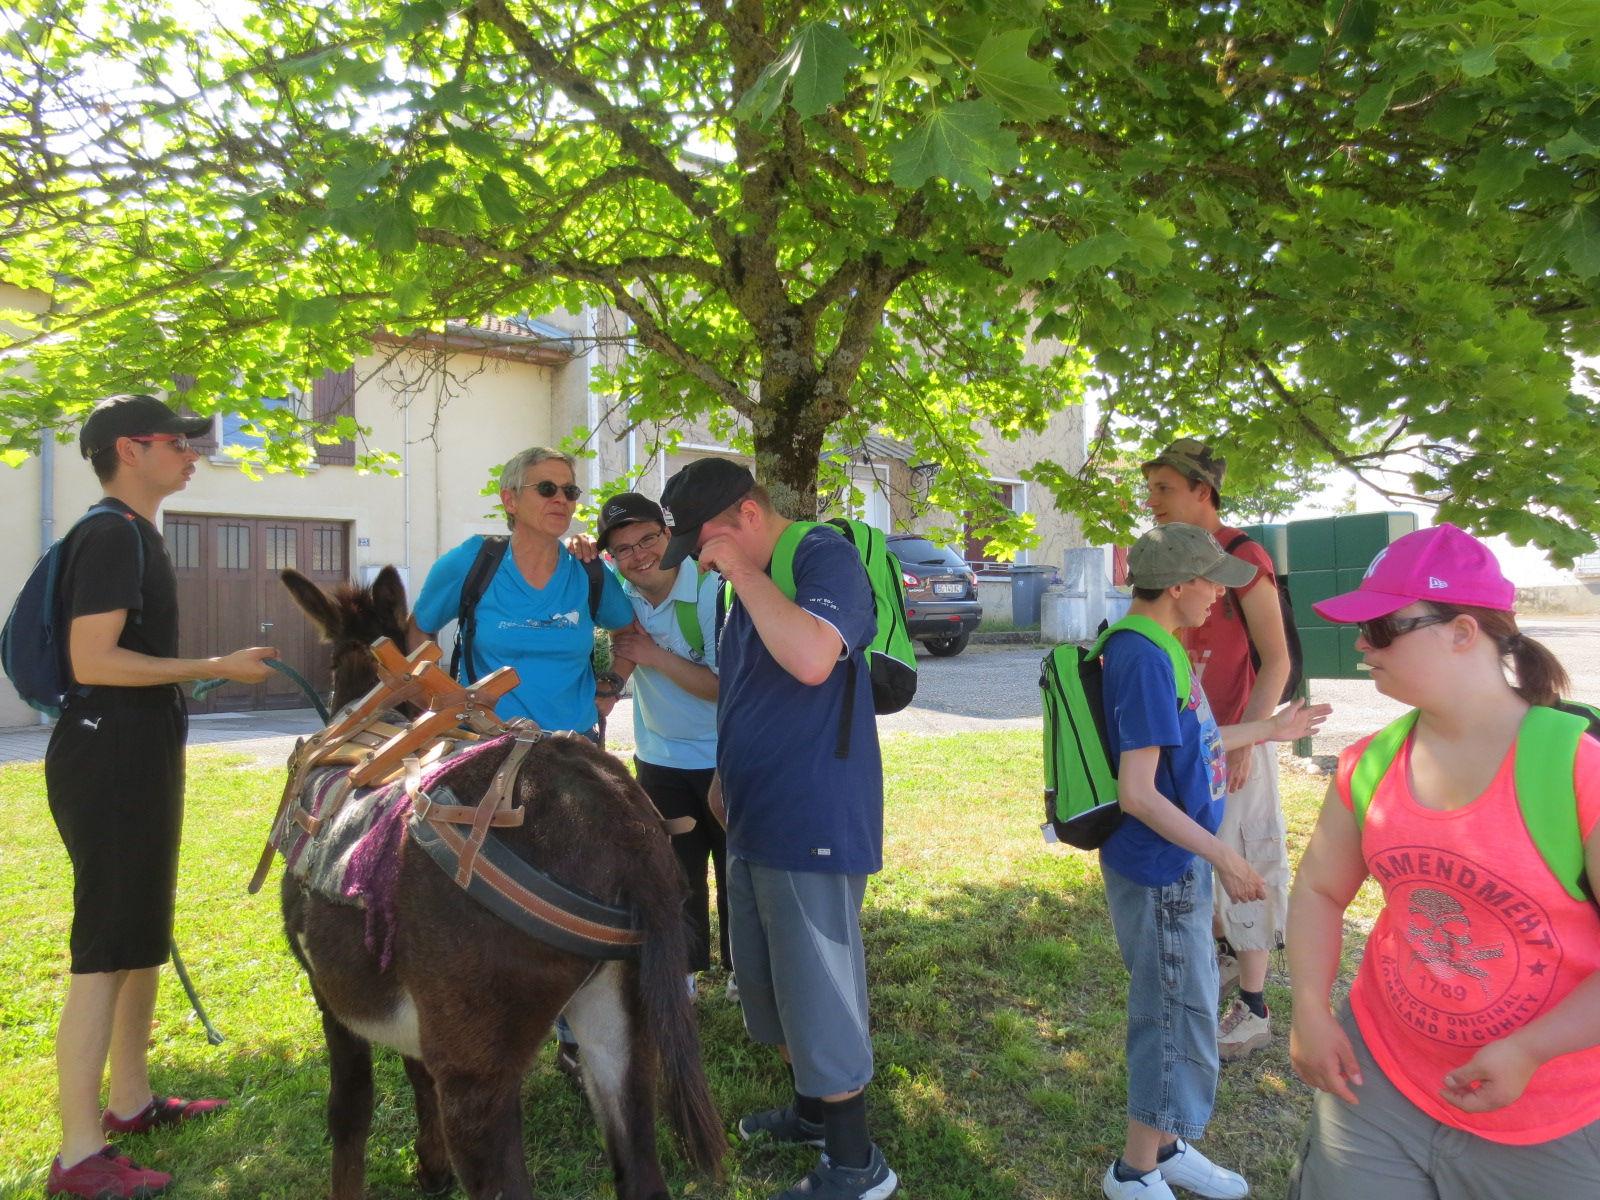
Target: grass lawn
{"type": "Point", "coordinates": [997, 999]}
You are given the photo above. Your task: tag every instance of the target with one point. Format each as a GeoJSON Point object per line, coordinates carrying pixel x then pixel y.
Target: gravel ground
{"type": "Point", "coordinates": [984, 688]}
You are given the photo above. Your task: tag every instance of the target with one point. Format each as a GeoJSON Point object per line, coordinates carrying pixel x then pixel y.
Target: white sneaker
{"type": "Point", "coordinates": [1146, 1187]}
{"type": "Point", "coordinates": [689, 979]}
{"type": "Point", "coordinates": [1190, 1169]}
{"type": "Point", "coordinates": [1242, 1032]}
{"type": "Point", "coordinates": [733, 990]}
{"type": "Point", "coordinates": [1227, 975]}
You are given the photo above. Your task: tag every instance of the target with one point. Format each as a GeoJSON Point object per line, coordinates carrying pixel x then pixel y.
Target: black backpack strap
{"type": "Point", "coordinates": [596, 570]}
{"type": "Point", "coordinates": [847, 710]}
{"type": "Point", "coordinates": [490, 554]}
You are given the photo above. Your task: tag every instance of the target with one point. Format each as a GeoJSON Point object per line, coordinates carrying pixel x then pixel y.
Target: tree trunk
{"type": "Point", "coordinates": [788, 449]}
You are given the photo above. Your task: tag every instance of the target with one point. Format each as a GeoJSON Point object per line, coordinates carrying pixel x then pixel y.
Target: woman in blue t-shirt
{"type": "Point", "coordinates": [534, 615]}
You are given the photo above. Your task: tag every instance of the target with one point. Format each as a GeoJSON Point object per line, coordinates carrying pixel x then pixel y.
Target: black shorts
{"type": "Point", "coordinates": [114, 774]}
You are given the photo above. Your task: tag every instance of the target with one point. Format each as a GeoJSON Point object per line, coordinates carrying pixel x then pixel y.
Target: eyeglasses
{"type": "Point", "coordinates": [650, 539]}
{"type": "Point", "coordinates": [1380, 632]}
{"type": "Point", "coordinates": [179, 442]}
{"type": "Point", "coordinates": [547, 489]}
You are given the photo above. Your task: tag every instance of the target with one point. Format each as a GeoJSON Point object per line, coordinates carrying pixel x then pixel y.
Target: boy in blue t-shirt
{"type": "Point", "coordinates": [1172, 783]}
{"type": "Point", "coordinates": [797, 757]}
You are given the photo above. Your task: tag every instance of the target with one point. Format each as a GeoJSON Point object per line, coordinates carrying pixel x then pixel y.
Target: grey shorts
{"type": "Point", "coordinates": [1388, 1147]}
{"type": "Point", "coordinates": [802, 971]}
{"type": "Point", "coordinates": [1252, 824]}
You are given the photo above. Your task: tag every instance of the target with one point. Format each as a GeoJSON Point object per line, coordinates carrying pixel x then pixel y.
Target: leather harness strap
{"type": "Point", "coordinates": [495, 798]}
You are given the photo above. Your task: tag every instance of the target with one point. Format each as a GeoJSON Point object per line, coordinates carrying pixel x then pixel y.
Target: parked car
{"type": "Point", "coordinates": [942, 606]}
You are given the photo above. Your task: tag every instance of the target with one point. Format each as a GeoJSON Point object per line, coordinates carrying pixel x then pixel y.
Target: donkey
{"type": "Point", "coordinates": [467, 999]}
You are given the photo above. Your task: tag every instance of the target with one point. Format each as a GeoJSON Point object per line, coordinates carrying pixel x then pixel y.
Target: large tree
{"type": "Point", "coordinates": [1348, 234]}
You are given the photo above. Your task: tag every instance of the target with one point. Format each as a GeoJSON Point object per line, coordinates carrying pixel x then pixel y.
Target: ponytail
{"type": "Point", "coordinates": [1541, 679]}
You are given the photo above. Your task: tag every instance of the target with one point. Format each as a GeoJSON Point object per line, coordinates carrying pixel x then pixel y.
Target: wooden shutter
{"type": "Point", "coordinates": [334, 396]}
{"type": "Point", "coordinates": [207, 443]}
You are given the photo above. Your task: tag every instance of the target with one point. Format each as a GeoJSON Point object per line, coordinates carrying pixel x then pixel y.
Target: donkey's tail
{"type": "Point", "coordinates": [669, 1015]}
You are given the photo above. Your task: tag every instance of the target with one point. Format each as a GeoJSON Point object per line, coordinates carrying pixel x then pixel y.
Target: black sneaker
{"type": "Point", "coordinates": [781, 1125]}
{"type": "Point", "coordinates": [875, 1181]}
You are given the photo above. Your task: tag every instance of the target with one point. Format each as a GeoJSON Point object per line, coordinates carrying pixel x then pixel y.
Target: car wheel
{"type": "Point", "coordinates": [945, 647]}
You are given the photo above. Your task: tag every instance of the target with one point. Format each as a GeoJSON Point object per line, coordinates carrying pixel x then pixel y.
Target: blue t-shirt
{"type": "Point", "coordinates": [545, 633]}
{"type": "Point", "coordinates": [792, 803]}
{"type": "Point", "coordinates": [672, 727]}
{"type": "Point", "coordinates": [1142, 710]}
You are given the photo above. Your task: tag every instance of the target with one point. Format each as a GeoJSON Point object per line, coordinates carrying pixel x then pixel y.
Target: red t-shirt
{"type": "Point", "coordinates": [1476, 938]}
{"type": "Point", "coordinates": [1220, 649]}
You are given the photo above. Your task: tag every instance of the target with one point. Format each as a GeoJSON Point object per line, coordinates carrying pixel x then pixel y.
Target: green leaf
{"type": "Point", "coordinates": [1035, 256]}
{"type": "Point", "coordinates": [1026, 89]}
{"type": "Point", "coordinates": [476, 142]}
{"type": "Point", "coordinates": [1547, 52]}
{"type": "Point", "coordinates": [412, 295]}
{"type": "Point", "coordinates": [1580, 239]}
{"type": "Point", "coordinates": [457, 211]}
{"type": "Point", "coordinates": [1098, 251]}
{"type": "Point", "coordinates": [1303, 60]}
{"type": "Point", "coordinates": [1152, 239]}
{"type": "Point", "coordinates": [413, 18]}
{"type": "Point", "coordinates": [498, 204]}
{"type": "Point", "coordinates": [395, 231]}
{"type": "Point", "coordinates": [424, 177]}
{"type": "Point", "coordinates": [1369, 109]}
{"type": "Point", "coordinates": [313, 312]}
{"type": "Point", "coordinates": [814, 65]}
{"type": "Point", "coordinates": [1569, 144]}
{"type": "Point", "coordinates": [963, 143]}
{"type": "Point", "coordinates": [1497, 170]}
{"type": "Point", "coordinates": [1479, 61]}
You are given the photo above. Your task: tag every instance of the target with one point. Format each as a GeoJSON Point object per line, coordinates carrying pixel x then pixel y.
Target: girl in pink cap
{"type": "Point", "coordinates": [1467, 1061]}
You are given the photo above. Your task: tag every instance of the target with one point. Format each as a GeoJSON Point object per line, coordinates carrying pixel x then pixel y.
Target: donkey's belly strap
{"type": "Point", "coordinates": [530, 900]}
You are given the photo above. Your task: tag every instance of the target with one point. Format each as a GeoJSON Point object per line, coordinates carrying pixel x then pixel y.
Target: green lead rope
{"type": "Point", "coordinates": [206, 686]}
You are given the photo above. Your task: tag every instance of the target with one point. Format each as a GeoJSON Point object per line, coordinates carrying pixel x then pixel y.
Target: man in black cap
{"type": "Point", "coordinates": [114, 775]}
{"type": "Point", "coordinates": [672, 643]}
{"type": "Point", "coordinates": [804, 807]}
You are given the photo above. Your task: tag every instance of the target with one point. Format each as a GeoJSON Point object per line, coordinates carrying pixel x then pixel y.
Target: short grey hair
{"type": "Point", "coordinates": [515, 472]}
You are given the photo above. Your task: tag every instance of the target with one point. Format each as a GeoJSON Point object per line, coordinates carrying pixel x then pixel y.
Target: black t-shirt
{"type": "Point", "coordinates": [102, 575]}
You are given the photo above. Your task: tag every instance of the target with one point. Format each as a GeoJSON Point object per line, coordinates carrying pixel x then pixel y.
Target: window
{"type": "Point", "coordinates": [233, 426]}
{"type": "Point", "coordinates": [977, 549]}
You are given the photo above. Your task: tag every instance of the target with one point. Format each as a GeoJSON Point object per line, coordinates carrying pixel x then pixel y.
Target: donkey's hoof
{"type": "Point", "coordinates": [435, 1183]}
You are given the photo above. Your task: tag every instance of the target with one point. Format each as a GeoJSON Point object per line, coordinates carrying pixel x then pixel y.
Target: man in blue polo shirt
{"type": "Point", "coordinates": [673, 646]}
{"type": "Point", "coordinates": [804, 801]}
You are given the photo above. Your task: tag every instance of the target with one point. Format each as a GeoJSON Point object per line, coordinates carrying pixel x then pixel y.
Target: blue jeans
{"type": "Point", "coordinates": [1164, 934]}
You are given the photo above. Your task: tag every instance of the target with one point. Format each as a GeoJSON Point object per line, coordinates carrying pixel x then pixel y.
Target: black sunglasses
{"type": "Point", "coordinates": [1380, 632]}
{"type": "Point", "coordinates": [547, 489]}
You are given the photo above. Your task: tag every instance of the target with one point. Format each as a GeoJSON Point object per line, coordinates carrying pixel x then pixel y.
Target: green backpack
{"type": "Point", "coordinates": [1080, 788]}
{"type": "Point", "coordinates": [1547, 750]}
{"type": "Point", "coordinates": [892, 658]}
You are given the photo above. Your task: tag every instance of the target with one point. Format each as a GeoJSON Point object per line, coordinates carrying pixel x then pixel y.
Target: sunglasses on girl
{"type": "Point", "coordinates": [547, 489]}
{"type": "Point", "coordinates": [1380, 632]}
{"type": "Point", "coordinates": [179, 442]}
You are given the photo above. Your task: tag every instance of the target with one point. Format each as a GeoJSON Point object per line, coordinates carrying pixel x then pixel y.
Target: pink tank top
{"type": "Point", "coordinates": [1476, 938]}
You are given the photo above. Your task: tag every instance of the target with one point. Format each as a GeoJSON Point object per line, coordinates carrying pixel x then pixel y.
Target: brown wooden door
{"type": "Point", "coordinates": [229, 596]}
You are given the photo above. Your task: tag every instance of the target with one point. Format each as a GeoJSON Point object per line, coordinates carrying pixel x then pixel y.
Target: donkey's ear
{"type": "Point", "coordinates": [313, 601]}
{"type": "Point", "coordinates": [389, 595]}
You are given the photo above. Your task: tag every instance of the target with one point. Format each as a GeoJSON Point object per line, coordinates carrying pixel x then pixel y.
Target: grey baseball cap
{"type": "Point", "coordinates": [1176, 553]}
{"type": "Point", "coordinates": [1194, 460]}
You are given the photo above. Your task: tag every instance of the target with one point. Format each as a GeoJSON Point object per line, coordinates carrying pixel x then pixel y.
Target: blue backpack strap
{"type": "Point", "coordinates": [1547, 794]}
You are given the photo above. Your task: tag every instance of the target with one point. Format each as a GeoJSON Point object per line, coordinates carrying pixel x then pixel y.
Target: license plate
{"type": "Point", "coordinates": [949, 589]}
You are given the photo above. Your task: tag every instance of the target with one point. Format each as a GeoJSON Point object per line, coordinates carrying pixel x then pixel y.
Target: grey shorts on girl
{"type": "Point", "coordinates": [1164, 934]}
{"type": "Point", "coordinates": [802, 971]}
{"type": "Point", "coordinates": [1388, 1147]}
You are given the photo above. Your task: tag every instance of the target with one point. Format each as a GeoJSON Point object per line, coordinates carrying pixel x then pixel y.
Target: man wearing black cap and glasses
{"type": "Point", "coordinates": [114, 775]}
{"type": "Point", "coordinates": [672, 643]}
{"type": "Point", "coordinates": [804, 809]}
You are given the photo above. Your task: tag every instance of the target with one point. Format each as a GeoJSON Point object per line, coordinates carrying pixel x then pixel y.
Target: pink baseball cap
{"type": "Point", "coordinates": [1443, 564]}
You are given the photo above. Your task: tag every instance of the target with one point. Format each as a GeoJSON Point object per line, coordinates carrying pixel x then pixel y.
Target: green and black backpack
{"type": "Point", "coordinates": [1546, 756]}
{"type": "Point", "coordinates": [1080, 788]}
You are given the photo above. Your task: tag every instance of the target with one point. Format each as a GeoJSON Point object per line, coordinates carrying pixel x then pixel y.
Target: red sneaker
{"type": "Point", "coordinates": [106, 1176]}
{"type": "Point", "coordinates": [162, 1110]}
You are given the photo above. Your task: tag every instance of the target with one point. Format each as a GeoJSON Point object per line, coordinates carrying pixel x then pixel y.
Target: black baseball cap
{"type": "Point", "coordinates": [133, 415]}
{"type": "Point", "coordinates": [625, 508]}
{"type": "Point", "coordinates": [693, 496]}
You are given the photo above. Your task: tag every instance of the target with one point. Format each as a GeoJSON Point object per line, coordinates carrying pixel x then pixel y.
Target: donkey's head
{"type": "Point", "coordinates": [352, 618]}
